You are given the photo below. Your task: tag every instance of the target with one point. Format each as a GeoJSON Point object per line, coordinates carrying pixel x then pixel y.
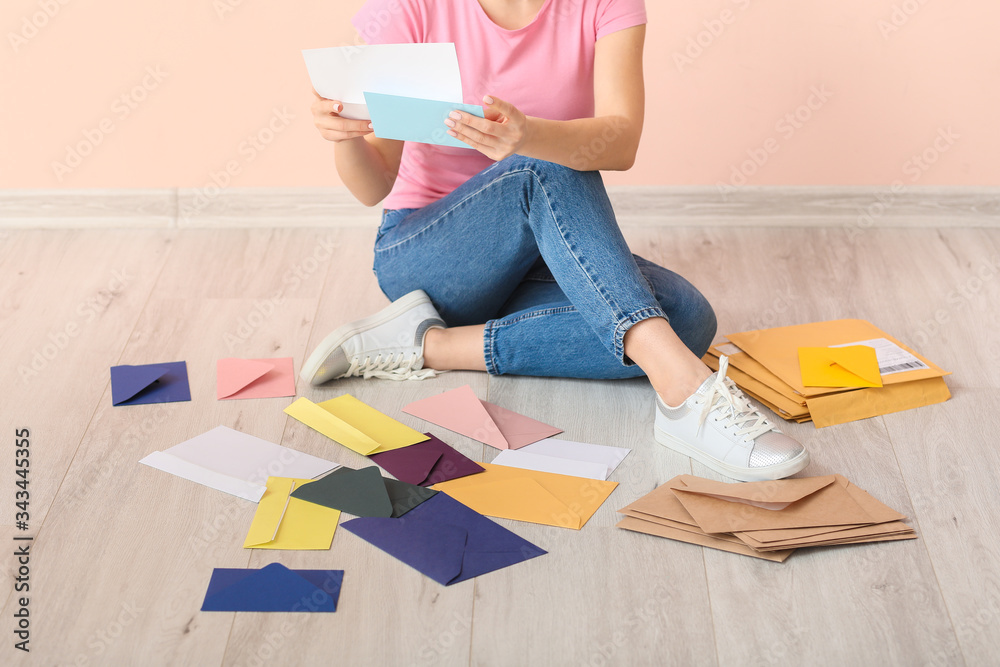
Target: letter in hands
{"type": "Point", "coordinates": [332, 126]}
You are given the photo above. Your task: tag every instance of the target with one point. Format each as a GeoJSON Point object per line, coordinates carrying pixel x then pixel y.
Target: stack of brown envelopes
{"type": "Point", "coordinates": [765, 364]}
{"type": "Point", "coordinates": [767, 520]}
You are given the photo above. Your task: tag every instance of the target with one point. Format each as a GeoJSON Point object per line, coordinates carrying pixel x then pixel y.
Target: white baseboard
{"type": "Point", "coordinates": [674, 206]}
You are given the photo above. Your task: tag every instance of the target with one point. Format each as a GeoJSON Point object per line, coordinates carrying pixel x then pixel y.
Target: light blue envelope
{"type": "Point", "coordinates": [415, 119]}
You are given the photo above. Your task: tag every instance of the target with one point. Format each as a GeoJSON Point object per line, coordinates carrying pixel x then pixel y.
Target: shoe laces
{"type": "Point", "coordinates": [734, 408]}
{"type": "Point", "coordinates": [393, 367]}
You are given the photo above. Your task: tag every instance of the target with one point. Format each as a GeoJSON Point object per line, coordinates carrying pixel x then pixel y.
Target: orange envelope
{"type": "Point", "coordinates": [529, 495]}
{"type": "Point", "coordinates": [461, 411]}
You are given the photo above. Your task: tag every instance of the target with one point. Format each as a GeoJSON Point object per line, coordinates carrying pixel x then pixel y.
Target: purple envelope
{"type": "Point", "coordinates": [427, 462]}
{"type": "Point", "coordinates": [445, 540]}
{"type": "Point", "coordinates": [150, 383]}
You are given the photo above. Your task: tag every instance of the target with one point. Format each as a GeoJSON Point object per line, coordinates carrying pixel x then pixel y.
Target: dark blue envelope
{"type": "Point", "coordinates": [273, 588]}
{"type": "Point", "coordinates": [445, 540]}
{"type": "Point", "coordinates": [150, 383]}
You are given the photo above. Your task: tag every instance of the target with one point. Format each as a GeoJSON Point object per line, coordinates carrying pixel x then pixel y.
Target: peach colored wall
{"type": "Point", "coordinates": [164, 94]}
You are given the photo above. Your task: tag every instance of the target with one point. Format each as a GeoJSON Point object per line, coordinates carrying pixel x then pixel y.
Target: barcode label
{"type": "Point", "coordinates": [900, 368]}
{"type": "Point", "coordinates": [891, 357]}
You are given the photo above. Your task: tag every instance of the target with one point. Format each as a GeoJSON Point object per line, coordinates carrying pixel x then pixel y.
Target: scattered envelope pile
{"type": "Point", "coordinates": [830, 372]}
{"type": "Point", "coordinates": [767, 520]}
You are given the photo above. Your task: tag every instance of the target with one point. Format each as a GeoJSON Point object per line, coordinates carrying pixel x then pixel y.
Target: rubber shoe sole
{"type": "Point", "coordinates": [768, 473]}
{"type": "Point", "coordinates": [341, 335]}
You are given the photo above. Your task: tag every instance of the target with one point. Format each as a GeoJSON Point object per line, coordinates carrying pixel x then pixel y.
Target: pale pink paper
{"type": "Point", "coordinates": [461, 411]}
{"type": "Point", "coordinates": [255, 378]}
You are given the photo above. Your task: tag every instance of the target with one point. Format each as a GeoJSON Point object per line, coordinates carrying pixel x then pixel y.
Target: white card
{"type": "Point", "coordinates": [228, 461]}
{"type": "Point", "coordinates": [565, 457]}
{"type": "Point", "coordinates": [345, 73]}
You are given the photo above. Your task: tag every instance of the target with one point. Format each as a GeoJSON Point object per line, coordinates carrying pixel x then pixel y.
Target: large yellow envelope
{"type": "Point", "coordinates": [354, 424]}
{"type": "Point", "coordinates": [851, 366]}
{"type": "Point", "coordinates": [777, 349]}
{"type": "Point", "coordinates": [874, 401]}
{"type": "Point", "coordinates": [529, 495]}
{"type": "Point", "coordinates": [282, 522]}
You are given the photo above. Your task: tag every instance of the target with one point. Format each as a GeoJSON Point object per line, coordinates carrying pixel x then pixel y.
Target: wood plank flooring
{"type": "Point", "coordinates": [123, 553]}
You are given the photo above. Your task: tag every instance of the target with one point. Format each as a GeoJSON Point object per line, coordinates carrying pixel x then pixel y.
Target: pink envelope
{"type": "Point", "coordinates": [461, 411]}
{"type": "Point", "coordinates": [255, 378]}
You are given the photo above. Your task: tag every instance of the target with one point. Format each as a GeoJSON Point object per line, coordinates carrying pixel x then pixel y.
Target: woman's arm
{"type": "Point", "coordinates": [608, 141]}
{"type": "Point", "coordinates": [367, 165]}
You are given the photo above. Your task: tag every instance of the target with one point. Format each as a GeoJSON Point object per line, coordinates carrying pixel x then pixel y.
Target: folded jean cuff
{"type": "Point", "coordinates": [489, 336]}
{"type": "Point", "coordinates": [627, 323]}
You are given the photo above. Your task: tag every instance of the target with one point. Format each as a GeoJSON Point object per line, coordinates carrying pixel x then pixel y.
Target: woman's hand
{"type": "Point", "coordinates": [332, 126]}
{"type": "Point", "coordinates": [502, 133]}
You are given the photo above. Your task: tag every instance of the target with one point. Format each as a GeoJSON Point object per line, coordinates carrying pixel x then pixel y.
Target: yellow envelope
{"type": "Point", "coordinates": [282, 522]}
{"type": "Point", "coordinates": [851, 366]}
{"type": "Point", "coordinates": [850, 406]}
{"type": "Point", "coordinates": [354, 424]}
{"type": "Point", "coordinates": [528, 495]}
{"type": "Point", "coordinates": [777, 350]}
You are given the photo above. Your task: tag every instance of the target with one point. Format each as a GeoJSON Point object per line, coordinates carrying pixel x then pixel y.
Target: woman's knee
{"type": "Point", "coordinates": [688, 310]}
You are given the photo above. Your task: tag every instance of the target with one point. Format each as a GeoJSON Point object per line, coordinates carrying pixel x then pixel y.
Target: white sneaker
{"type": "Point", "coordinates": [719, 427]}
{"type": "Point", "coordinates": [387, 345]}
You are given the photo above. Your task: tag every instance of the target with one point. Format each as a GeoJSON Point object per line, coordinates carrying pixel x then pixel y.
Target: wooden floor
{"type": "Point", "coordinates": [123, 553]}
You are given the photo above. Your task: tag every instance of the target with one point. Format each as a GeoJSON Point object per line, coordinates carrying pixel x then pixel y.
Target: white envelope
{"type": "Point", "coordinates": [565, 457]}
{"type": "Point", "coordinates": [236, 463]}
{"type": "Point", "coordinates": [345, 73]}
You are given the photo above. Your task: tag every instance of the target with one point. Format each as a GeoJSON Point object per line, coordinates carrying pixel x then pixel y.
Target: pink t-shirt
{"type": "Point", "coordinates": [545, 69]}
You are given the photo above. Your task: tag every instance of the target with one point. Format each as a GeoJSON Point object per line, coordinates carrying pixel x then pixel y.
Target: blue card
{"type": "Point", "coordinates": [445, 540]}
{"type": "Point", "coordinates": [273, 588]}
{"type": "Point", "coordinates": [415, 119]}
{"type": "Point", "coordinates": [150, 383]}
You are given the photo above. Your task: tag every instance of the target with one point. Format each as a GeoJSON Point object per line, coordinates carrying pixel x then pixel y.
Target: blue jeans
{"type": "Point", "coordinates": [532, 249]}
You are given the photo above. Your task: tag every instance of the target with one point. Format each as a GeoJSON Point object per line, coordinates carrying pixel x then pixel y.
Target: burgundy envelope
{"type": "Point", "coordinates": [426, 463]}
